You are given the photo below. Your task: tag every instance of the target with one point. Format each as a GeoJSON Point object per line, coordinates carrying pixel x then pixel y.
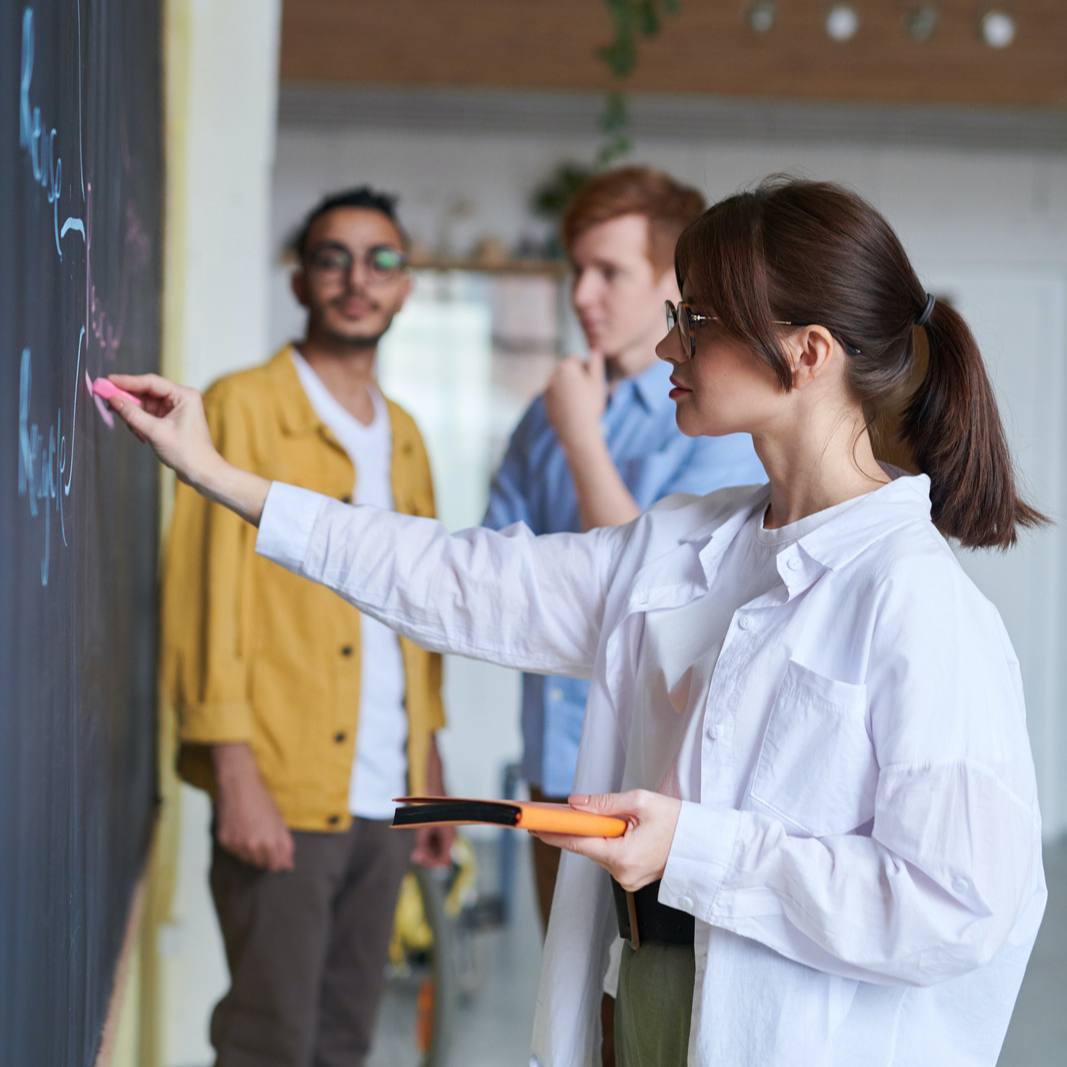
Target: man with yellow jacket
{"type": "Point", "coordinates": [301, 717]}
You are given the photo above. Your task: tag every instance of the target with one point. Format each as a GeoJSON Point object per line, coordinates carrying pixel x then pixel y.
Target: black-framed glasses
{"type": "Point", "coordinates": [685, 318]}
{"type": "Point", "coordinates": [382, 262]}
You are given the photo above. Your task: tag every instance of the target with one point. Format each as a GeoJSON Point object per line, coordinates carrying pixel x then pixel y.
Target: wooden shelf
{"type": "Point", "coordinates": [555, 268]}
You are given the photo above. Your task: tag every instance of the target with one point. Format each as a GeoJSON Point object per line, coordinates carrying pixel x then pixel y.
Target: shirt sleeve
{"type": "Point", "coordinates": [934, 886]}
{"type": "Point", "coordinates": [535, 603]}
{"type": "Point", "coordinates": [508, 492]}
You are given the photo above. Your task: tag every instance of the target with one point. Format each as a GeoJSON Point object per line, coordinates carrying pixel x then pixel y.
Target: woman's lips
{"type": "Point", "coordinates": [678, 390]}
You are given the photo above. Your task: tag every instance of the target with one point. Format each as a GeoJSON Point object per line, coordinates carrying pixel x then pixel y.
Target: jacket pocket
{"type": "Point", "coordinates": [816, 770]}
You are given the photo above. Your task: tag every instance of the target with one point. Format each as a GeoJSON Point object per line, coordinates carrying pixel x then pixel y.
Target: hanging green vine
{"type": "Point", "coordinates": [633, 20]}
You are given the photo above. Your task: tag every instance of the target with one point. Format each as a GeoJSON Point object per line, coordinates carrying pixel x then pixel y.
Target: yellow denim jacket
{"type": "Point", "coordinates": [252, 653]}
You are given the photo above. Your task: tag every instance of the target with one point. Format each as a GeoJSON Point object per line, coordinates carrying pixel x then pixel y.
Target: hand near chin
{"type": "Point", "coordinates": [639, 856]}
{"type": "Point", "coordinates": [575, 398]}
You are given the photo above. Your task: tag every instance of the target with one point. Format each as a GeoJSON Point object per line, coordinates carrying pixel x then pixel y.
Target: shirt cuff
{"type": "Point", "coordinates": [285, 527]}
{"type": "Point", "coordinates": [699, 858]}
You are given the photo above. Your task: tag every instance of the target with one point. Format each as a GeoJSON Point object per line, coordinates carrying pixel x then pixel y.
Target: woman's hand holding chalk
{"type": "Point", "coordinates": [106, 390]}
{"type": "Point", "coordinates": [171, 419]}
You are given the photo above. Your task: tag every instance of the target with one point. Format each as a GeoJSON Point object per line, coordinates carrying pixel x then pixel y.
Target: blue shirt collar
{"type": "Point", "coordinates": [652, 386]}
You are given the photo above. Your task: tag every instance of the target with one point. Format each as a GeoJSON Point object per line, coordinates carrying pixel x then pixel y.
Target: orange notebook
{"type": "Point", "coordinates": [522, 814]}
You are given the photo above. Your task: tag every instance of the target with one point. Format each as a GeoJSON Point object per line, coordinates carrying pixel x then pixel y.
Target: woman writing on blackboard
{"type": "Point", "coordinates": [811, 719]}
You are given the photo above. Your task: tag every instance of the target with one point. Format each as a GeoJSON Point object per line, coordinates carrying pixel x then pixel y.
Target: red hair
{"type": "Point", "coordinates": [668, 206]}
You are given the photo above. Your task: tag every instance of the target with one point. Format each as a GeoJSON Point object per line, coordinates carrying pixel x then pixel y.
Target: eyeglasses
{"type": "Point", "coordinates": [685, 318]}
{"type": "Point", "coordinates": [383, 262]}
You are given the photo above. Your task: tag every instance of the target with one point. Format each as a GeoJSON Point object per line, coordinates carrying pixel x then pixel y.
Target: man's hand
{"type": "Point", "coordinates": [639, 856]}
{"type": "Point", "coordinates": [248, 822]}
{"type": "Point", "coordinates": [433, 844]}
{"type": "Point", "coordinates": [575, 399]}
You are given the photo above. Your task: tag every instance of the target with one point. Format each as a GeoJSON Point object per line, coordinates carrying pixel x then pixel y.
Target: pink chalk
{"type": "Point", "coordinates": [106, 390]}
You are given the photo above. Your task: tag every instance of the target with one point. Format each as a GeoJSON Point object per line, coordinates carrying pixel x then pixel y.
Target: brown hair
{"type": "Point", "coordinates": [668, 206]}
{"type": "Point", "coordinates": [813, 252]}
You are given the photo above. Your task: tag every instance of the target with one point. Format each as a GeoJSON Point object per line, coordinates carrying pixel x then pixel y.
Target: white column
{"type": "Point", "coordinates": [222, 80]}
{"type": "Point", "coordinates": [221, 77]}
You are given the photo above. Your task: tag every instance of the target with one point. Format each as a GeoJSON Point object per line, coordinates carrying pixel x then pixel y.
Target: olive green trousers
{"type": "Point", "coordinates": [654, 1006]}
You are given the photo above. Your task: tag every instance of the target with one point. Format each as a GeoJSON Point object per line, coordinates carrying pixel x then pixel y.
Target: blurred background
{"type": "Point", "coordinates": [950, 116]}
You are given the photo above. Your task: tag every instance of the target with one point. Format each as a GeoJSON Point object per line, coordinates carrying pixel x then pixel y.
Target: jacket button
{"type": "Point", "coordinates": [339, 736]}
{"type": "Point", "coordinates": [333, 820]}
{"type": "Point", "coordinates": [346, 499]}
{"type": "Point", "coordinates": [346, 650]}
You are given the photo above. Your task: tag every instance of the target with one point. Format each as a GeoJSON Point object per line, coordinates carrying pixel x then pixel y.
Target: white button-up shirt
{"type": "Point", "coordinates": [874, 897]}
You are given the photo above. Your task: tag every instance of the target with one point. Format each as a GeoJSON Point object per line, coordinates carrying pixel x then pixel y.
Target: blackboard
{"type": "Point", "coordinates": [80, 216]}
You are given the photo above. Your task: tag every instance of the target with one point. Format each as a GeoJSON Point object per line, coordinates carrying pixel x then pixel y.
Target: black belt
{"type": "Point", "coordinates": [643, 918]}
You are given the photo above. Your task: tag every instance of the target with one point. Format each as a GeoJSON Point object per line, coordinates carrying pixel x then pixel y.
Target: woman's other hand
{"type": "Point", "coordinates": [639, 856]}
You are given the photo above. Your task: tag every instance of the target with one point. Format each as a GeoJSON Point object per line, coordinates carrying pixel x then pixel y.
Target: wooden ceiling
{"type": "Point", "coordinates": [708, 49]}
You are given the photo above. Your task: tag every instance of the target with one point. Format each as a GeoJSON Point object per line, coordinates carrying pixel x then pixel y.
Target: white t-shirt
{"type": "Point", "coordinates": [682, 646]}
{"type": "Point", "coordinates": [380, 769]}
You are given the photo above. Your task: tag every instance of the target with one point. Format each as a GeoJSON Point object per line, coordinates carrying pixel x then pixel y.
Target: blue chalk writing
{"type": "Point", "coordinates": [43, 461]}
{"type": "Point", "coordinates": [47, 166]}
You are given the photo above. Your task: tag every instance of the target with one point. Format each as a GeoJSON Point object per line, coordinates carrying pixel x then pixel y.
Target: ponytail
{"type": "Point", "coordinates": [953, 429]}
{"type": "Point", "coordinates": [796, 252]}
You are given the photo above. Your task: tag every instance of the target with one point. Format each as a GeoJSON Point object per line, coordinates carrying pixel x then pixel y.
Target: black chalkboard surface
{"type": "Point", "coordinates": [80, 209]}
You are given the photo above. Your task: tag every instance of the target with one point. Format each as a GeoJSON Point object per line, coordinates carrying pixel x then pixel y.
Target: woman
{"type": "Point", "coordinates": [810, 717]}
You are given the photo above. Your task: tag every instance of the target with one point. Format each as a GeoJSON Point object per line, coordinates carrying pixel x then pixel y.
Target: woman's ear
{"type": "Point", "coordinates": [812, 352]}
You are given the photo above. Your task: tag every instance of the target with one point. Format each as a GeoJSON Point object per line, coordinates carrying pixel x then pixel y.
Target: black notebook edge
{"type": "Point", "coordinates": [487, 811]}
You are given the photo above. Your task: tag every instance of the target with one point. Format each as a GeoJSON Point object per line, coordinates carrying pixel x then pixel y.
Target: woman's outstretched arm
{"type": "Point", "coordinates": [172, 421]}
{"type": "Point", "coordinates": [509, 597]}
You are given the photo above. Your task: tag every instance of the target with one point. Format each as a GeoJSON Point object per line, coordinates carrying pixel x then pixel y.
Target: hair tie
{"type": "Point", "coordinates": [924, 318]}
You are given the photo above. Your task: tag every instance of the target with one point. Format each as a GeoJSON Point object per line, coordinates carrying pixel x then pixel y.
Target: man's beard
{"type": "Point", "coordinates": [355, 344]}
{"type": "Point", "coordinates": [360, 343]}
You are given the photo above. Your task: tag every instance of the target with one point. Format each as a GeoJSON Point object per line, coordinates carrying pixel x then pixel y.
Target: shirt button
{"type": "Point", "coordinates": [339, 736]}
{"type": "Point", "coordinates": [555, 693]}
{"type": "Point", "coordinates": [714, 732]}
{"type": "Point", "coordinates": [346, 650]}
{"type": "Point", "coordinates": [685, 903]}
{"type": "Point", "coordinates": [744, 623]}
{"type": "Point", "coordinates": [961, 885]}
{"type": "Point", "coordinates": [794, 563]}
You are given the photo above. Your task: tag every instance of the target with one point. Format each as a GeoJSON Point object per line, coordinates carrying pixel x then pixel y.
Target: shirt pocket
{"type": "Point", "coordinates": [816, 771]}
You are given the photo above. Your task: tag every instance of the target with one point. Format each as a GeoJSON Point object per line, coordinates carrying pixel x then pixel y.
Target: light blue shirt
{"type": "Point", "coordinates": [534, 486]}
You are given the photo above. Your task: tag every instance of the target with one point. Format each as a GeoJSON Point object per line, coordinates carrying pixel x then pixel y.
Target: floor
{"type": "Point", "coordinates": [493, 1028]}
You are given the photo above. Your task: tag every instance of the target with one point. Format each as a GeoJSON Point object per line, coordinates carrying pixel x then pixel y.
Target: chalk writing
{"type": "Point", "coordinates": [38, 141]}
{"type": "Point", "coordinates": [46, 451]}
{"type": "Point", "coordinates": [43, 459]}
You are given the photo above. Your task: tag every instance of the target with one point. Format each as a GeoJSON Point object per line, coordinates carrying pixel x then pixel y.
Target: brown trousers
{"type": "Point", "coordinates": [307, 948]}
